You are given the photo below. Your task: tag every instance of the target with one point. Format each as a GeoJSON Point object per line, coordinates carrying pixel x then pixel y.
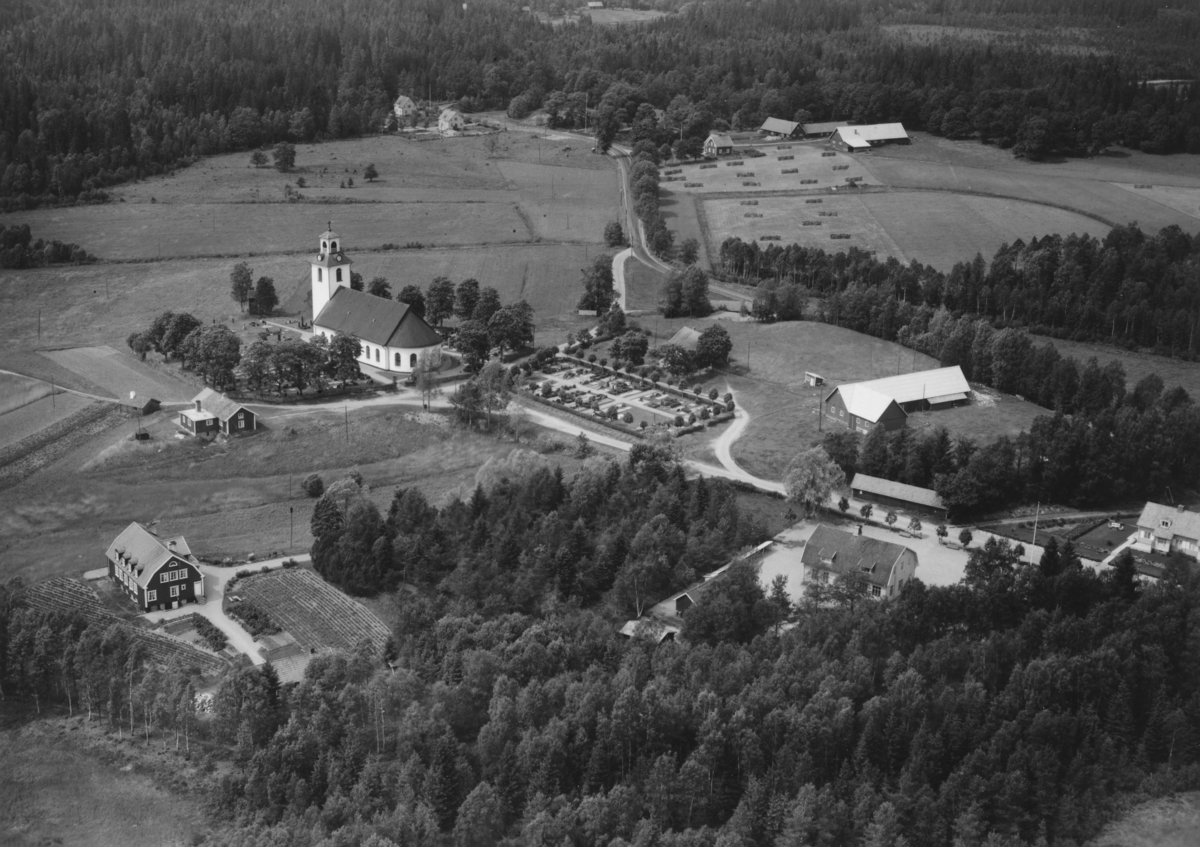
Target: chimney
{"type": "Point", "coordinates": [197, 405]}
{"type": "Point", "coordinates": [859, 532]}
{"type": "Point", "coordinates": [171, 543]}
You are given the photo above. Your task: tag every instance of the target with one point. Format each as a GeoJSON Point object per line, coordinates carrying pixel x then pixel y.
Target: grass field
{"type": "Point", "coordinates": [63, 784]}
{"type": "Point", "coordinates": [36, 416]}
{"type": "Point", "coordinates": [120, 373]}
{"type": "Point", "coordinates": [1165, 822]}
{"type": "Point", "coordinates": [990, 417]}
{"type": "Point", "coordinates": [1137, 365]}
{"type": "Point", "coordinates": [767, 171]}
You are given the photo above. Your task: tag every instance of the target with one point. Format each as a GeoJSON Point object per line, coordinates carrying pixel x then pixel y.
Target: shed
{"type": "Point", "coordinates": [823, 129]}
{"type": "Point", "coordinates": [813, 380]}
{"type": "Point", "coordinates": [687, 338]}
{"type": "Point", "coordinates": [889, 493]}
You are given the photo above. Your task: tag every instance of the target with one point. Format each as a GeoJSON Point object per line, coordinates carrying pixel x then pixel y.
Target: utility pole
{"type": "Point", "coordinates": [1033, 543]}
{"type": "Point", "coordinates": [347, 423]}
{"type": "Point", "coordinates": [291, 524]}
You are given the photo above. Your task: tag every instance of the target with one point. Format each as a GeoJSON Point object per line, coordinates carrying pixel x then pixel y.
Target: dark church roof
{"type": "Point", "coordinates": [378, 320]}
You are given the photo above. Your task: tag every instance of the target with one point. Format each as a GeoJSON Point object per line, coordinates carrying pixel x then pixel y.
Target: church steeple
{"type": "Point", "coordinates": [330, 269]}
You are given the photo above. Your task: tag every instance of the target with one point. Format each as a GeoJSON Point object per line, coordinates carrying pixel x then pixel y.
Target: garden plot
{"type": "Point", "coordinates": [316, 614]}
{"type": "Point", "coordinates": [120, 374]}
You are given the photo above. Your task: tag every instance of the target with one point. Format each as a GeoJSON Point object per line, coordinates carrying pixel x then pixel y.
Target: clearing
{"type": "Point", "coordinates": [1137, 365]}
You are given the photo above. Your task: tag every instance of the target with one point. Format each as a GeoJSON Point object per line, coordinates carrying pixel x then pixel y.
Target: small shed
{"type": "Point", "coordinates": [687, 338]}
{"type": "Point", "coordinates": [813, 380]}
{"type": "Point", "coordinates": [889, 493]}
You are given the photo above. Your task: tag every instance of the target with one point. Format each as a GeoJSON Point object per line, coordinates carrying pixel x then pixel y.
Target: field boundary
{"type": "Point", "coordinates": [21, 460]}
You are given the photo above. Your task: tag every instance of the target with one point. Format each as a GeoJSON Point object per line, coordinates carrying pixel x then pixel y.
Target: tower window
{"type": "Point", "coordinates": [324, 246]}
{"type": "Point", "coordinates": [339, 274]}
{"type": "Point", "coordinates": [320, 275]}
{"type": "Point", "coordinates": [333, 246]}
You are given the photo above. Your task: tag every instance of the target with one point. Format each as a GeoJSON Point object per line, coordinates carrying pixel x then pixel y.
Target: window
{"type": "Point", "coordinates": [320, 275]}
{"type": "Point", "coordinates": [376, 354]}
{"type": "Point", "coordinates": [324, 246]}
{"type": "Point", "coordinates": [412, 360]}
{"type": "Point", "coordinates": [151, 596]}
{"type": "Point", "coordinates": [1164, 523]}
{"type": "Point", "coordinates": [876, 591]}
{"type": "Point", "coordinates": [332, 246]}
{"type": "Point", "coordinates": [174, 590]}
{"type": "Point", "coordinates": [397, 360]}
{"type": "Point", "coordinates": [339, 274]}
{"type": "Point", "coordinates": [241, 415]}
{"type": "Point", "coordinates": [241, 424]}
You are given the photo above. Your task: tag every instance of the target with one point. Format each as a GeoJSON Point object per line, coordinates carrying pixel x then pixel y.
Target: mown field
{"type": "Point", "coordinates": [1137, 365]}
{"type": "Point", "coordinates": [805, 157]}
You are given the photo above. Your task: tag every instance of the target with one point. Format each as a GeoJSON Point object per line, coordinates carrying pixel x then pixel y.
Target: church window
{"type": "Point", "coordinates": [412, 360]}
{"type": "Point", "coordinates": [339, 274]}
{"type": "Point", "coordinates": [320, 275]}
{"type": "Point", "coordinates": [397, 360]}
{"type": "Point", "coordinates": [376, 354]}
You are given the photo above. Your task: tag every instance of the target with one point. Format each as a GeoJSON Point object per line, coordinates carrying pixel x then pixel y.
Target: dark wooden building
{"type": "Point", "coordinates": [156, 573]}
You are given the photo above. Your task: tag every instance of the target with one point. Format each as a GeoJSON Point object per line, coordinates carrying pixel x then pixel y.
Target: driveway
{"type": "Point", "coordinates": [213, 609]}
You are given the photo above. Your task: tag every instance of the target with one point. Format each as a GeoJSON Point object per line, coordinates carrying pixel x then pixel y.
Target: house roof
{"type": "Point", "coordinates": [851, 555]}
{"type": "Point", "coordinates": [780, 126]}
{"type": "Point", "coordinates": [864, 402]}
{"type": "Point", "coordinates": [218, 404]}
{"type": "Point", "coordinates": [897, 490]}
{"type": "Point", "coordinates": [719, 140]}
{"type": "Point", "coordinates": [1179, 521]}
{"type": "Point", "coordinates": [193, 415]}
{"type": "Point", "coordinates": [824, 128]}
{"type": "Point", "coordinates": [144, 551]}
{"type": "Point", "coordinates": [378, 320]}
{"type": "Point", "coordinates": [686, 338]}
{"type": "Point", "coordinates": [449, 114]}
{"type": "Point", "coordinates": [937, 384]}
{"type": "Point", "coordinates": [404, 102]}
{"type": "Point", "coordinates": [872, 132]}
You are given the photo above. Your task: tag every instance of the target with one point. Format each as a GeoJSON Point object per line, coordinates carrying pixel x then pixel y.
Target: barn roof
{"type": "Point", "coordinates": [378, 320]}
{"type": "Point", "coordinates": [1179, 521]}
{"type": "Point", "coordinates": [218, 404]}
{"type": "Point", "coordinates": [897, 490]}
{"type": "Point", "coordinates": [852, 555]}
{"type": "Point", "coordinates": [687, 338]}
{"type": "Point", "coordinates": [863, 402]}
{"type": "Point", "coordinates": [780, 126]}
{"type": "Point", "coordinates": [872, 132]}
{"type": "Point", "coordinates": [939, 384]}
{"type": "Point", "coordinates": [824, 128]}
{"type": "Point", "coordinates": [145, 551]}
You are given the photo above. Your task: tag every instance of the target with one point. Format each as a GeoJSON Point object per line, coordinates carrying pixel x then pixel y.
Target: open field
{"type": "Point", "coordinates": [1180, 198]}
{"type": "Point", "coordinates": [61, 789]}
{"type": "Point", "coordinates": [120, 373]}
{"type": "Point", "coordinates": [767, 171]}
{"type": "Point", "coordinates": [1165, 822]}
{"type": "Point", "coordinates": [17, 391]}
{"type": "Point", "coordinates": [1137, 365]}
{"type": "Point", "coordinates": [564, 204]}
{"type": "Point", "coordinates": [36, 416]}
{"type": "Point", "coordinates": [317, 615]}
{"type": "Point", "coordinates": [605, 17]}
{"type": "Point", "coordinates": [992, 415]}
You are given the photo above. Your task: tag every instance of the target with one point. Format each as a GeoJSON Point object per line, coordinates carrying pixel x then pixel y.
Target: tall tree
{"type": "Point", "coordinates": [241, 283]}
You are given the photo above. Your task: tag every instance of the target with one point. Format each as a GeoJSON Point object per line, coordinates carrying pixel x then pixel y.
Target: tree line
{"type": "Point", "coordinates": [1030, 704]}
{"type": "Point", "coordinates": [18, 250]}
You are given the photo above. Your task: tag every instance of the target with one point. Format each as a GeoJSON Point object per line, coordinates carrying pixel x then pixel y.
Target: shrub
{"type": "Point", "coordinates": [313, 485]}
{"type": "Point", "coordinates": [712, 395]}
{"type": "Point", "coordinates": [628, 418]}
{"type": "Point", "coordinates": [213, 637]}
{"type": "Point", "coordinates": [643, 424]}
{"type": "Point", "coordinates": [698, 389]}
{"type": "Point", "coordinates": [604, 363]}
{"type": "Point", "coordinates": [705, 414]}
{"type": "Point", "coordinates": [728, 397]}
{"type": "Point", "coordinates": [591, 358]}
{"type": "Point", "coordinates": [254, 618]}
{"type": "Point", "coordinates": [290, 563]}
{"type": "Point", "coordinates": [679, 420]}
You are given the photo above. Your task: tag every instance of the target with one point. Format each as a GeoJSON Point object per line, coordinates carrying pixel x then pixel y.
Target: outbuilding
{"type": "Point", "coordinates": [779, 128]}
{"type": "Point", "coordinates": [823, 129]}
{"type": "Point", "coordinates": [857, 138]}
{"type": "Point", "coordinates": [885, 492]}
{"type": "Point", "coordinates": [862, 406]}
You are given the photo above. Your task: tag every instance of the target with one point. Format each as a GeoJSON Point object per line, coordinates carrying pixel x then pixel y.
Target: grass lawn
{"type": "Point", "coordinates": [1165, 822]}
{"type": "Point", "coordinates": [643, 286]}
{"type": "Point", "coordinates": [990, 417]}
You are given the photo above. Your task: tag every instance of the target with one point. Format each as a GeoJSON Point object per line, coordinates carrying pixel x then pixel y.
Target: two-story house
{"type": "Point", "coordinates": [832, 554]}
{"type": "Point", "coordinates": [156, 573]}
{"type": "Point", "coordinates": [1168, 529]}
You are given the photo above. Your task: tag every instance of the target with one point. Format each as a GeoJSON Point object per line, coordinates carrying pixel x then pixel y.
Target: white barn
{"type": "Point", "coordinates": [393, 337]}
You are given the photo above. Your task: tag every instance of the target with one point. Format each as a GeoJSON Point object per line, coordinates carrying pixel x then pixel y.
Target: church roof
{"type": "Point", "coordinates": [378, 320]}
{"type": "Point", "coordinates": [328, 234]}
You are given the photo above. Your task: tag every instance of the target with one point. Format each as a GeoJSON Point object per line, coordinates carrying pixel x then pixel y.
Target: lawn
{"type": "Point", "coordinates": [64, 784]}
{"type": "Point", "coordinates": [991, 416]}
{"type": "Point", "coordinates": [120, 373]}
{"type": "Point", "coordinates": [36, 416]}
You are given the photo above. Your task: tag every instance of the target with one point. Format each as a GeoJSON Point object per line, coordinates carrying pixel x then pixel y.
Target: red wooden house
{"type": "Point", "coordinates": [156, 573]}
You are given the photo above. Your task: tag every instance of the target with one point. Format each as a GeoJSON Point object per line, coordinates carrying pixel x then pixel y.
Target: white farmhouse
{"type": "Point", "coordinates": [393, 337]}
{"type": "Point", "coordinates": [404, 107]}
{"type": "Point", "coordinates": [451, 120]}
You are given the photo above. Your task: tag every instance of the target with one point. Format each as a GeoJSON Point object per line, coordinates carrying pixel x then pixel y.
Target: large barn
{"type": "Point", "coordinates": [155, 573]}
{"type": "Point", "coordinates": [887, 402]}
{"type": "Point", "coordinates": [393, 337]}
{"type": "Point", "coordinates": [823, 129]}
{"type": "Point", "coordinates": [855, 138]}
{"type": "Point", "coordinates": [780, 128]}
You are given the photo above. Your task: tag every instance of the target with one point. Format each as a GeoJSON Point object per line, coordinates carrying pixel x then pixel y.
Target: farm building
{"type": "Point", "coordinates": [822, 130]}
{"type": "Point", "coordinates": [1167, 529]}
{"type": "Point", "coordinates": [717, 145]}
{"type": "Point", "coordinates": [451, 120]}
{"type": "Point", "coordinates": [780, 128]}
{"type": "Point", "coordinates": [832, 554]}
{"type": "Point", "coordinates": [686, 337]}
{"type": "Point", "coordinates": [156, 574]}
{"type": "Point", "coordinates": [595, 4]}
{"type": "Point", "coordinates": [212, 412]}
{"type": "Point", "coordinates": [888, 493]}
{"type": "Point", "coordinates": [404, 107]}
{"type": "Point", "coordinates": [863, 405]}
{"type": "Point", "coordinates": [813, 380]}
{"type": "Point", "coordinates": [392, 336]}
{"type": "Point", "coordinates": [856, 138]}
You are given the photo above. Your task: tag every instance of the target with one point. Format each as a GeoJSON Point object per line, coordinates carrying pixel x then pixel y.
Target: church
{"type": "Point", "coordinates": [392, 336]}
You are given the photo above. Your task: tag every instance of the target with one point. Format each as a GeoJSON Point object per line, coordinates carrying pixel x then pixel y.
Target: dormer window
{"type": "Point", "coordinates": [1164, 523]}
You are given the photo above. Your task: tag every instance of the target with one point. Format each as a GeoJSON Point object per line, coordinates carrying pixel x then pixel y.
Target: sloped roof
{"type": "Point", "coordinates": [824, 128]}
{"type": "Point", "coordinates": [897, 490]}
{"type": "Point", "coordinates": [854, 141]}
{"type": "Point", "coordinates": [848, 554]}
{"type": "Point", "coordinates": [720, 140]}
{"type": "Point", "coordinates": [780, 126]}
{"type": "Point", "coordinates": [218, 404]}
{"type": "Point", "coordinates": [449, 114]}
{"type": "Point", "coordinates": [938, 383]}
{"type": "Point", "coordinates": [1179, 522]}
{"type": "Point", "coordinates": [378, 320]}
{"type": "Point", "coordinates": [862, 401]}
{"type": "Point", "coordinates": [145, 551]}
{"type": "Point", "coordinates": [404, 102]}
{"type": "Point", "coordinates": [687, 338]}
{"type": "Point", "coordinates": [873, 132]}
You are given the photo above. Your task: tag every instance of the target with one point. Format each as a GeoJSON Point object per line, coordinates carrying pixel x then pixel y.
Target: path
{"type": "Point", "coordinates": [618, 265]}
{"type": "Point", "coordinates": [213, 609]}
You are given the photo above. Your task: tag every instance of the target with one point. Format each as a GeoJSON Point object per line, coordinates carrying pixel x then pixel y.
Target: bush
{"type": "Point", "coordinates": [604, 363]}
{"type": "Point", "coordinates": [254, 618]}
{"type": "Point", "coordinates": [712, 395]}
{"type": "Point", "coordinates": [679, 420]}
{"type": "Point", "coordinates": [290, 563]}
{"type": "Point", "coordinates": [313, 485]}
{"type": "Point", "coordinates": [728, 397]}
{"type": "Point", "coordinates": [213, 637]}
{"type": "Point", "coordinates": [628, 418]}
{"type": "Point", "coordinates": [698, 388]}
{"type": "Point", "coordinates": [592, 358]}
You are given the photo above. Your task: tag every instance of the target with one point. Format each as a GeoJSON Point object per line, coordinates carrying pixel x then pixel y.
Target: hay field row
{"type": "Point", "coordinates": [935, 228]}
{"type": "Point", "coordinates": [807, 159]}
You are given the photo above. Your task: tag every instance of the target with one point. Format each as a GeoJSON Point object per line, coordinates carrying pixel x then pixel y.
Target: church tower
{"type": "Point", "coordinates": [330, 270]}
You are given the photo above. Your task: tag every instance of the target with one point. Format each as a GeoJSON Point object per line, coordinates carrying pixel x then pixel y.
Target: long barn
{"type": "Point", "coordinates": [887, 402]}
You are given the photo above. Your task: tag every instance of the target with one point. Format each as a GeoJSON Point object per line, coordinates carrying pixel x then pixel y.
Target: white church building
{"type": "Point", "coordinates": [393, 337]}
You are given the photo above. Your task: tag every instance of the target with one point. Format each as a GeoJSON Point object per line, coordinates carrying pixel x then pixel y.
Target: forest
{"type": "Point", "coordinates": [1029, 704]}
{"type": "Point", "coordinates": [98, 92]}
